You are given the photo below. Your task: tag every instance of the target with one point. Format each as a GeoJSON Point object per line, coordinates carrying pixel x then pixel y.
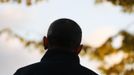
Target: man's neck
{"type": "Point", "coordinates": [59, 54]}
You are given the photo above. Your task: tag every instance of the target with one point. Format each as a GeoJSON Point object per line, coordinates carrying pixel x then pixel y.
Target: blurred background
{"type": "Point", "coordinates": [107, 25]}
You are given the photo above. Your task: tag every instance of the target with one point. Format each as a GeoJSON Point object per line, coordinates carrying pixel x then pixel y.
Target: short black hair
{"type": "Point", "coordinates": [64, 32]}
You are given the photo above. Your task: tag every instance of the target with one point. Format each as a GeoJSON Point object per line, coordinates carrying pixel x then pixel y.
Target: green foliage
{"type": "Point", "coordinates": [106, 49]}
{"type": "Point", "coordinates": [27, 43]}
{"type": "Point", "coordinates": [128, 41]}
{"type": "Point", "coordinates": [127, 5]}
{"type": "Point", "coordinates": [27, 2]}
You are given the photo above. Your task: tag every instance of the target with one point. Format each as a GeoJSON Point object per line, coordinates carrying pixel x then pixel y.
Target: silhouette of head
{"type": "Point", "coordinates": [64, 33]}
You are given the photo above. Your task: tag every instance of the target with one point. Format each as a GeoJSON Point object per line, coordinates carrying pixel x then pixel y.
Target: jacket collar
{"type": "Point", "coordinates": [60, 55]}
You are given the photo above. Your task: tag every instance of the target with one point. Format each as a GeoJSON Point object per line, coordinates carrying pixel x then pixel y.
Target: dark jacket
{"type": "Point", "coordinates": [56, 62]}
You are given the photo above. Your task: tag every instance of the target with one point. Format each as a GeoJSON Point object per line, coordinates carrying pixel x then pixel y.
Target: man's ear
{"type": "Point", "coordinates": [77, 51]}
{"type": "Point", "coordinates": [45, 42]}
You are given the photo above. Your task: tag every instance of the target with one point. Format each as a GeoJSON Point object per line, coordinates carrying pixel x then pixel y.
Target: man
{"type": "Point", "coordinates": [63, 46]}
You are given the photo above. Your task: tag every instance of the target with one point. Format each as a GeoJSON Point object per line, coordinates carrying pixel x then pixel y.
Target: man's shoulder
{"type": "Point", "coordinates": [88, 71]}
{"type": "Point", "coordinates": [28, 68]}
{"type": "Point", "coordinates": [32, 66]}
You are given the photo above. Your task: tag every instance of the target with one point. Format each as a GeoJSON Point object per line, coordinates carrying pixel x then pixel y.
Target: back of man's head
{"type": "Point", "coordinates": [64, 33]}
